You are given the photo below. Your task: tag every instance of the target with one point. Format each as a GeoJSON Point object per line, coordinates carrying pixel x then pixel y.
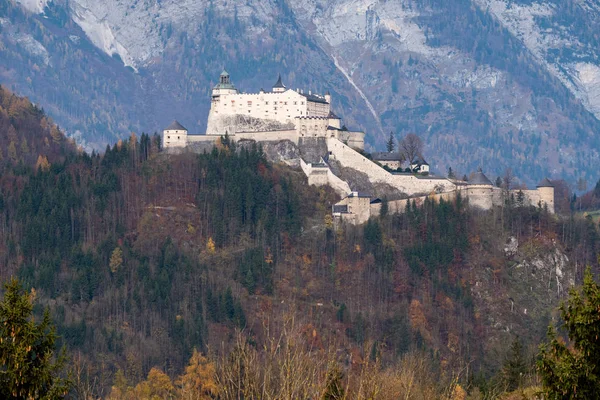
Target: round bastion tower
{"type": "Point", "coordinates": [480, 191]}
{"type": "Point", "coordinates": [546, 190]}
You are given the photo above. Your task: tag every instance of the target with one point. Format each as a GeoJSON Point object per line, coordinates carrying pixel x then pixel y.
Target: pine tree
{"type": "Point", "coordinates": [451, 174]}
{"type": "Point", "coordinates": [229, 304]}
{"type": "Point", "coordinates": [30, 368]}
{"type": "Point", "coordinates": [573, 372]}
{"type": "Point", "coordinates": [391, 144]}
{"type": "Point", "coordinates": [514, 367]}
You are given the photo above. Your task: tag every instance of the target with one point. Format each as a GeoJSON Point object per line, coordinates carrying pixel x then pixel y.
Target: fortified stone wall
{"type": "Point", "coordinates": [408, 184]}
{"type": "Point", "coordinates": [356, 140]}
{"type": "Point", "coordinates": [312, 126]}
{"type": "Point", "coordinates": [273, 136]}
{"type": "Point", "coordinates": [313, 150]}
{"type": "Point", "coordinates": [481, 196]}
{"type": "Point", "coordinates": [322, 176]}
{"type": "Point", "coordinates": [398, 206]}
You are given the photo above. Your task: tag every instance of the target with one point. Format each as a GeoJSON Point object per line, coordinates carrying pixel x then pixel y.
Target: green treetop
{"type": "Point", "coordinates": [573, 372]}
{"type": "Point", "coordinates": [29, 368]}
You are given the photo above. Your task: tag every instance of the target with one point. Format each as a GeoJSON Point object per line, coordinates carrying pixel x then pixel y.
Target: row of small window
{"type": "Point", "coordinates": [169, 137]}
{"type": "Point", "coordinates": [285, 103]}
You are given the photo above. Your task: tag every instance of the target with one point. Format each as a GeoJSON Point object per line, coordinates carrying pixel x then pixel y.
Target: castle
{"type": "Point", "coordinates": [282, 114]}
{"type": "Point", "coordinates": [307, 122]}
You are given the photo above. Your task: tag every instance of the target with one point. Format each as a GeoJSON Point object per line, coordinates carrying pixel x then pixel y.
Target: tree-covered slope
{"type": "Point", "coordinates": [142, 257]}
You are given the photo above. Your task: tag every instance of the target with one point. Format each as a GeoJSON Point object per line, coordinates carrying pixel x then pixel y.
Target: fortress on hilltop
{"type": "Point", "coordinates": [281, 114]}
{"type": "Point", "coordinates": [300, 129]}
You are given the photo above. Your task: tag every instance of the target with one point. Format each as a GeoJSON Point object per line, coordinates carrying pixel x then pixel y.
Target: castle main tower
{"type": "Point", "coordinates": [224, 86]}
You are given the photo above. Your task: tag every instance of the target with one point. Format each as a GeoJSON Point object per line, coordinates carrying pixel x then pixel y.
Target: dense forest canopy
{"type": "Point", "coordinates": [149, 262]}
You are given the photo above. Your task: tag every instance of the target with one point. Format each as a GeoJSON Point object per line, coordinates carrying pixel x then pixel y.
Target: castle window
{"type": "Point", "coordinates": [275, 102]}
{"type": "Point", "coordinates": [168, 137]}
{"type": "Point", "coordinates": [285, 103]}
{"type": "Point", "coordinates": [266, 103]}
{"type": "Point", "coordinates": [275, 108]}
{"type": "Point", "coordinates": [295, 103]}
{"type": "Point", "coordinates": [302, 103]}
{"type": "Point", "coordinates": [178, 138]}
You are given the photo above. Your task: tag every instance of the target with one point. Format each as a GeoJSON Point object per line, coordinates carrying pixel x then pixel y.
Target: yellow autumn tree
{"type": "Point", "coordinates": [157, 386]}
{"type": "Point", "coordinates": [116, 259]}
{"type": "Point", "coordinates": [459, 393]}
{"type": "Point", "coordinates": [198, 382]}
{"type": "Point", "coordinates": [42, 163]}
{"type": "Point", "coordinates": [210, 246]}
{"type": "Point", "coordinates": [56, 134]}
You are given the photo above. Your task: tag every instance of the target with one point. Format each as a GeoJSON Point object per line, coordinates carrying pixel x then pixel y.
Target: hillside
{"type": "Point", "coordinates": [498, 83]}
{"type": "Point", "coordinates": [142, 257]}
{"type": "Point", "coordinates": [27, 135]}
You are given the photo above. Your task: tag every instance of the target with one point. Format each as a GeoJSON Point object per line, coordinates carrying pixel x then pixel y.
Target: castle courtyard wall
{"type": "Point", "coordinates": [408, 184]}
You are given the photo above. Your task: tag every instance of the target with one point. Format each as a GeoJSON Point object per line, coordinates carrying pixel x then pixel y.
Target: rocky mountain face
{"type": "Point", "coordinates": [491, 83]}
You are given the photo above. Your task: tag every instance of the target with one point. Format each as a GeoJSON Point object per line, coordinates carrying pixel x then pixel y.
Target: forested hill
{"type": "Point", "coordinates": [142, 257]}
{"type": "Point", "coordinates": [27, 135]}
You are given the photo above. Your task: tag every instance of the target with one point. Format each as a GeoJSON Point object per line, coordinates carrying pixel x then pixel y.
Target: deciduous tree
{"type": "Point", "coordinates": [411, 146]}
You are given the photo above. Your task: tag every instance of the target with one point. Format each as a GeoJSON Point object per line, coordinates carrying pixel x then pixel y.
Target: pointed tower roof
{"type": "Point", "coordinates": [175, 126]}
{"type": "Point", "coordinates": [224, 73]}
{"type": "Point", "coordinates": [332, 115]}
{"type": "Point", "coordinates": [545, 183]}
{"type": "Point", "coordinates": [479, 178]}
{"type": "Point", "coordinates": [279, 84]}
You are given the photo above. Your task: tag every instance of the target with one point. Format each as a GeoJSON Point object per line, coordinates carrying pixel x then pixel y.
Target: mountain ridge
{"type": "Point", "coordinates": [457, 73]}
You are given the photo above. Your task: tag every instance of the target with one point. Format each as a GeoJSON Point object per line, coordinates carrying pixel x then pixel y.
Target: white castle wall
{"type": "Point", "coordinates": [408, 184]}
{"type": "Point", "coordinates": [324, 177]}
{"type": "Point", "coordinates": [312, 126]}
{"type": "Point", "coordinates": [283, 107]}
{"type": "Point", "coordinates": [398, 206]}
{"type": "Point", "coordinates": [356, 140]}
{"type": "Point", "coordinates": [202, 138]}
{"type": "Point", "coordinates": [273, 136]}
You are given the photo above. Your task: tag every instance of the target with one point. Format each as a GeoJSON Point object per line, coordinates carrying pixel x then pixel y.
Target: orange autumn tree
{"type": "Point", "coordinates": [198, 382]}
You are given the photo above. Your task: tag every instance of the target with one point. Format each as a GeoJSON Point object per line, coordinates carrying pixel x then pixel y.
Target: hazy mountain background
{"type": "Point", "coordinates": [492, 83]}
